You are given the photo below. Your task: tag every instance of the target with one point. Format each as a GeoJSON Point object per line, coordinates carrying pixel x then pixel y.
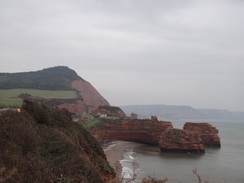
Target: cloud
{"type": "Point", "coordinates": [173, 52]}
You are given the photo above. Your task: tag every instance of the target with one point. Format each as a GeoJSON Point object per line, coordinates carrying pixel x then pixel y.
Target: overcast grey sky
{"type": "Point", "coordinates": [176, 52]}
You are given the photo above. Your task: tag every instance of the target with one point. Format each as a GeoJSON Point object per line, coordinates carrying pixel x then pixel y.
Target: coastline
{"type": "Point", "coordinates": [114, 151]}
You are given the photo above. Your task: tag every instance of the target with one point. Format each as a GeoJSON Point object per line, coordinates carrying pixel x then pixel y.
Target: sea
{"type": "Point", "coordinates": [217, 165]}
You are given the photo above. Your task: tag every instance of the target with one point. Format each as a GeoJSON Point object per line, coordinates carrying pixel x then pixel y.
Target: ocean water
{"type": "Point", "coordinates": [217, 165]}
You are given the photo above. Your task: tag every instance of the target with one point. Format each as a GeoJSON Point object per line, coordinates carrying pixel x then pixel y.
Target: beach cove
{"type": "Point", "coordinates": [224, 165]}
{"type": "Point", "coordinates": [115, 151]}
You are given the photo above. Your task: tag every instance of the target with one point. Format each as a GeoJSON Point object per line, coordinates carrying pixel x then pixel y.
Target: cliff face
{"type": "Point", "coordinates": [91, 98]}
{"type": "Point", "coordinates": [177, 140]}
{"type": "Point", "coordinates": [145, 131]}
{"type": "Point", "coordinates": [193, 138]}
{"type": "Point", "coordinates": [207, 132]}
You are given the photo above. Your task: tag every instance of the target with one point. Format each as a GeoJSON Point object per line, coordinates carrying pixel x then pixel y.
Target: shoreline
{"type": "Point", "coordinates": [114, 151]}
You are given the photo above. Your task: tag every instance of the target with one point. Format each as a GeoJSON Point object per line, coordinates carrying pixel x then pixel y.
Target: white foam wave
{"type": "Point", "coordinates": [128, 166]}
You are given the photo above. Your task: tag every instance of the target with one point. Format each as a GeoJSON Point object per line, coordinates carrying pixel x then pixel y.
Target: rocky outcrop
{"type": "Point", "coordinates": [144, 131]}
{"type": "Point", "coordinates": [207, 132]}
{"type": "Point", "coordinates": [154, 118]}
{"type": "Point", "coordinates": [178, 140]}
{"type": "Point", "coordinates": [133, 115]}
{"type": "Point", "coordinates": [192, 139]}
{"type": "Point", "coordinates": [109, 111]}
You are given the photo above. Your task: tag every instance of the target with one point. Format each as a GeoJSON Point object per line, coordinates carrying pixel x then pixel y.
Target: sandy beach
{"type": "Point", "coordinates": [114, 152]}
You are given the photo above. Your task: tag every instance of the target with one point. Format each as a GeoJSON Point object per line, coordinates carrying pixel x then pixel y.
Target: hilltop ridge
{"type": "Point", "coordinates": [58, 79]}
{"type": "Point", "coordinates": [53, 78]}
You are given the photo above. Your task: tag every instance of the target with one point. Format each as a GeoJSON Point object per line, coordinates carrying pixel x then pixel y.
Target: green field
{"type": "Point", "coordinates": [10, 97]}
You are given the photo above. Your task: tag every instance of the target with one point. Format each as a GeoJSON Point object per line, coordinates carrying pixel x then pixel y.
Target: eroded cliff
{"type": "Point", "coordinates": [178, 140]}
{"type": "Point", "coordinates": [193, 138]}
{"type": "Point", "coordinates": [145, 131]}
{"type": "Point", "coordinates": [207, 132]}
{"type": "Point", "coordinates": [89, 99]}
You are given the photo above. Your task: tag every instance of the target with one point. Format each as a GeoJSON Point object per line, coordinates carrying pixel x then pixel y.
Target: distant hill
{"type": "Point", "coordinates": [180, 112]}
{"type": "Point", "coordinates": [54, 78]}
{"type": "Point", "coordinates": [48, 86]}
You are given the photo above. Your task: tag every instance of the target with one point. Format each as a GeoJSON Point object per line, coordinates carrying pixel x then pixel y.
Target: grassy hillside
{"type": "Point", "coordinates": [11, 97]}
{"type": "Point", "coordinates": [39, 145]}
{"type": "Point", "coordinates": [55, 78]}
{"type": "Point", "coordinates": [39, 93]}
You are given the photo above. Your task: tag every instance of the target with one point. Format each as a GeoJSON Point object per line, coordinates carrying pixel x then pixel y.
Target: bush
{"type": "Point", "coordinates": [38, 111]}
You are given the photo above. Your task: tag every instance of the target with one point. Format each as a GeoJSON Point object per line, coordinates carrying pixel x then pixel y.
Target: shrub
{"type": "Point", "coordinates": [38, 111]}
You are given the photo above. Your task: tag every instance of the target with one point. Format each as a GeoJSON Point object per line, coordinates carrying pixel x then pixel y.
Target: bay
{"type": "Point", "coordinates": [217, 165]}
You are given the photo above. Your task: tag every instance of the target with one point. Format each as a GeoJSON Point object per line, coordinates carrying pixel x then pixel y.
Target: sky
{"type": "Point", "coordinates": [174, 52]}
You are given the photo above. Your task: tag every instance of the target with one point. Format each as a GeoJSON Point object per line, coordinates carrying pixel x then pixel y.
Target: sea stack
{"type": "Point", "coordinates": [207, 132]}
{"type": "Point", "coordinates": [178, 140]}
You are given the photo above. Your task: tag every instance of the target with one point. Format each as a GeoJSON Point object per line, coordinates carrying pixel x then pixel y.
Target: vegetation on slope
{"type": "Point", "coordinates": [55, 78]}
{"type": "Point", "coordinates": [40, 145]}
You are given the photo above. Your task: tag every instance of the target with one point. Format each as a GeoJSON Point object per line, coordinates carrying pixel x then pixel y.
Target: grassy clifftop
{"type": "Point", "coordinates": [39, 145]}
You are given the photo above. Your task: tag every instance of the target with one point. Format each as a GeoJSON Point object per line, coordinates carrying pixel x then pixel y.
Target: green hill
{"type": "Point", "coordinates": [56, 86]}
{"type": "Point", "coordinates": [53, 85]}
{"type": "Point", "coordinates": [54, 78]}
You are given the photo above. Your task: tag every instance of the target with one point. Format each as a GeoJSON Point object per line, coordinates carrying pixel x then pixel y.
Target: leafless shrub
{"type": "Point", "coordinates": [194, 171]}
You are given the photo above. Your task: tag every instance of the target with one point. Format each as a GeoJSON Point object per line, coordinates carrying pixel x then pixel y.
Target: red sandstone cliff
{"type": "Point", "coordinates": [207, 132]}
{"type": "Point", "coordinates": [178, 140]}
{"type": "Point", "coordinates": [91, 98]}
{"type": "Point", "coordinates": [145, 131]}
{"type": "Point", "coordinates": [90, 95]}
{"type": "Point", "coordinates": [160, 133]}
